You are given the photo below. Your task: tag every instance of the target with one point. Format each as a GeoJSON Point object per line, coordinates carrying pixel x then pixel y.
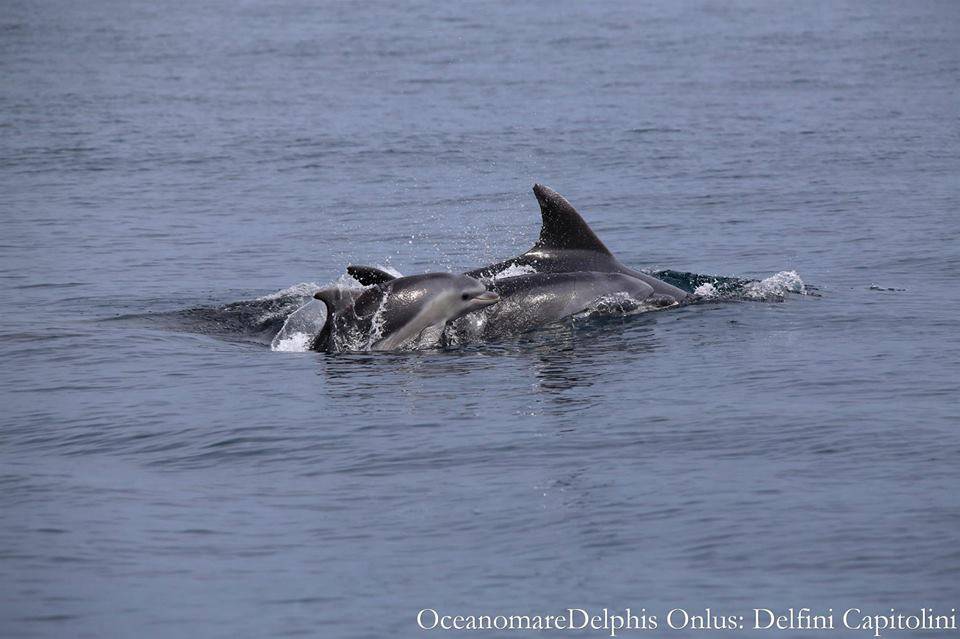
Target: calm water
{"type": "Point", "coordinates": [164, 483]}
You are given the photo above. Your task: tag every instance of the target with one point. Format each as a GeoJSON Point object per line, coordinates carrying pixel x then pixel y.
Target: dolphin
{"type": "Point", "coordinates": [532, 300]}
{"type": "Point", "coordinates": [390, 314]}
{"type": "Point", "coordinates": [566, 244]}
{"type": "Point", "coordinates": [536, 299]}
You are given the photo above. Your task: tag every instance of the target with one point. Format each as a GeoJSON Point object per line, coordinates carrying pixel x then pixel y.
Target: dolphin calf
{"type": "Point", "coordinates": [391, 313]}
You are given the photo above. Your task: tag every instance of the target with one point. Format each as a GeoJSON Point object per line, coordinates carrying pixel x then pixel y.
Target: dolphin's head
{"type": "Point", "coordinates": [456, 295]}
{"type": "Point", "coordinates": [409, 305]}
{"type": "Point", "coordinates": [474, 295]}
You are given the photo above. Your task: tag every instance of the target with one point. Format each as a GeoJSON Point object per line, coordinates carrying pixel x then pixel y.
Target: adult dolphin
{"type": "Point", "coordinates": [566, 244]}
{"type": "Point", "coordinates": [533, 300]}
{"type": "Point", "coordinates": [391, 314]}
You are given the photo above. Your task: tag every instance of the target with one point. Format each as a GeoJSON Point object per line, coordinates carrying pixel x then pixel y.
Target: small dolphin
{"type": "Point", "coordinates": [391, 313]}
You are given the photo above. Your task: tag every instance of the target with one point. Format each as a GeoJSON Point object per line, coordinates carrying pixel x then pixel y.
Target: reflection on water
{"type": "Point", "coordinates": [562, 361]}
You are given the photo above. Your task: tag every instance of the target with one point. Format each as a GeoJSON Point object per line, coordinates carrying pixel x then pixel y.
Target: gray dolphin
{"type": "Point", "coordinates": [532, 300]}
{"type": "Point", "coordinates": [566, 244]}
{"type": "Point", "coordinates": [537, 299]}
{"type": "Point", "coordinates": [391, 313]}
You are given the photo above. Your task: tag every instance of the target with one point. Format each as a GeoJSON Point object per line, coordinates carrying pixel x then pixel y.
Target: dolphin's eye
{"type": "Point", "coordinates": [465, 297]}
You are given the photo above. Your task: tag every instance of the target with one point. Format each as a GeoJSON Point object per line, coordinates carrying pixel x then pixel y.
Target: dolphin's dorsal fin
{"type": "Point", "coordinates": [563, 228]}
{"type": "Point", "coordinates": [333, 298]}
{"type": "Point", "coordinates": [368, 275]}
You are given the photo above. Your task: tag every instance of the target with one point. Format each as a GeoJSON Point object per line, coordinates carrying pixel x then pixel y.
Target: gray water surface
{"type": "Point", "coordinates": [156, 157]}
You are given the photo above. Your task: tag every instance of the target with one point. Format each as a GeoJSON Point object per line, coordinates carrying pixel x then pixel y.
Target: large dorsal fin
{"type": "Point", "coordinates": [563, 228]}
{"type": "Point", "coordinates": [368, 275]}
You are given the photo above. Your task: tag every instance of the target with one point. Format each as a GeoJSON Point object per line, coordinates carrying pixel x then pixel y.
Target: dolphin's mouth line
{"type": "Point", "coordinates": [487, 297]}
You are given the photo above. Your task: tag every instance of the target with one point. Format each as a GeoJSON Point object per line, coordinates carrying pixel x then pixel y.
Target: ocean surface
{"type": "Point", "coordinates": [160, 479]}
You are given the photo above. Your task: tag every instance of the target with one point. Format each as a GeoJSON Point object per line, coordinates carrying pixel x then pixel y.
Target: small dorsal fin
{"type": "Point", "coordinates": [333, 298]}
{"type": "Point", "coordinates": [368, 275]}
{"type": "Point", "coordinates": [563, 228]}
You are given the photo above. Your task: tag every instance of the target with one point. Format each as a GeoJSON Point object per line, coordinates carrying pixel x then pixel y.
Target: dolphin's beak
{"type": "Point", "coordinates": [487, 298]}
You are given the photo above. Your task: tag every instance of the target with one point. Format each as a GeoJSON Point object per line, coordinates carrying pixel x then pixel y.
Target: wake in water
{"type": "Point", "coordinates": [734, 289]}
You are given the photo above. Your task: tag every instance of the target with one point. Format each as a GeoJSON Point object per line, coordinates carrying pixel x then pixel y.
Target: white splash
{"type": "Point", "coordinates": [389, 269]}
{"type": "Point", "coordinates": [307, 289]}
{"type": "Point", "coordinates": [303, 289]}
{"type": "Point", "coordinates": [376, 326]}
{"type": "Point", "coordinates": [300, 328]}
{"type": "Point", "coordinates": [304, 323]}
{"type": "Point", "coordinates": [706, 290]}
{"type": "Point", "coordinates": [297, 294]}
{"type": "Point", "coordinates": [295, 343]}
{"type": "Point", "coordinates": [775, 287]}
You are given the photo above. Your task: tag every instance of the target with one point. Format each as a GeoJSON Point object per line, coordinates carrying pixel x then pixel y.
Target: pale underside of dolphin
{"type": "Point", "coordinates": [566, 244]}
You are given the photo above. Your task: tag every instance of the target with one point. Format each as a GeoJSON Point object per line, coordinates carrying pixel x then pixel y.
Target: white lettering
{"type": "Point", "coordinates": [420, 619]}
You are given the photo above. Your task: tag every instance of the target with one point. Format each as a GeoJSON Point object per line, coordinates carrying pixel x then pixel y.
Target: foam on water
{"type": "Point", "coordinates": [771, 289]}
{"type": "Point", "coordinates": [300, 328]}
{"type": "Point", "coordinates": [296, 294]}
{"type": "Point", "coordinates": [775, 287]}
{"type": "Point", "coordinates": [295, 343]}
{"type": "Point", "coordinates": [706, 290]}
{"type": "Point", "coordinates": [303, 289]}
{"type": "Point", "coordinates": [376, 331]}
{"type": "Point", "coordinates": [303, 324]}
